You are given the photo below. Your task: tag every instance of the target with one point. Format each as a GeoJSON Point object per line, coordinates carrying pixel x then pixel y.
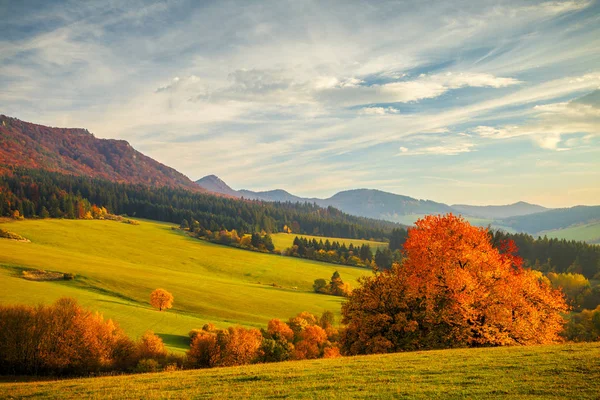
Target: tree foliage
{"type": "Point", "coordinates": [453, 289]}
{"type": "Point", "coordinates": [161, 299]}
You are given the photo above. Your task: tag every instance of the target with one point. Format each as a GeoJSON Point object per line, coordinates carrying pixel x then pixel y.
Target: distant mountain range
{"type": "Point", "coordinates": [520, 216]}
{"type": "Point", "coordinates": [374, 203]}
{"type": "Point", "coordinates": [78, 152]}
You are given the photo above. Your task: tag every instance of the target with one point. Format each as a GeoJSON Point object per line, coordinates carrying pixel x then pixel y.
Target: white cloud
{"type": "Point", "coordinates": [378, 110]}
{"type": "Point", "coordinates": [444, 150]}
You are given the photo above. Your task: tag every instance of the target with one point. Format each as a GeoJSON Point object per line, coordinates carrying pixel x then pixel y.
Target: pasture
{"type": "Point", "coordinates": [117, 266]}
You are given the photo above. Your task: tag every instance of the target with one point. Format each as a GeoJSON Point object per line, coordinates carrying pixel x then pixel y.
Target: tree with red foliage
{"type": "Point", "coordinates": [453, 289]}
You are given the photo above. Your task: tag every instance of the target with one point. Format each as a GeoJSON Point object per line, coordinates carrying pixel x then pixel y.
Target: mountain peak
{"type": "Point", "coordinates": [215, 184]}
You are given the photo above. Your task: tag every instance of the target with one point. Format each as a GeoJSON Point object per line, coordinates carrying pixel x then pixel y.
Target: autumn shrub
{"type": "Point", "coordinates": [453, 289]}
{"type": "Point", "coordinates": [225, 347]}
{"type": "Point", "coordinates": [150, 346]}
{"type": "Point", "coordinates": [584, 326]}
{"type": "Point", "coordinates": [147, 365]}
{"type": "Point", "coordinates": [59, 339]}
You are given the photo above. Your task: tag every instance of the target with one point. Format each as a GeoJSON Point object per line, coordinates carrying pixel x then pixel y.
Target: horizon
{"type": "Point", "coordinates": [481, 103]}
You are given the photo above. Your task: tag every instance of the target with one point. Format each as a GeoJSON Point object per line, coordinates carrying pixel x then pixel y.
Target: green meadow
{"type": "Point", "coordinates": [589, 233]}
{"type": "Point", "coordinates": [283, 241]}
{"type": "Point", "coordinates": [117, 266]}
{"type": "Point", "coordinates": [570, 371]}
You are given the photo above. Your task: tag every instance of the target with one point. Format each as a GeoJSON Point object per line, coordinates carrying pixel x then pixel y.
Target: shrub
{"type": "Point", "coordinates": [147, 365]}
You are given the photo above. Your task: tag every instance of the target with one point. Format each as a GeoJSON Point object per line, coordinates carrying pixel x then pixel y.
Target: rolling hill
{"type": "Point", "coordinates": [78, 152]}
{"type": "Point", "coordinates": [117, 265]}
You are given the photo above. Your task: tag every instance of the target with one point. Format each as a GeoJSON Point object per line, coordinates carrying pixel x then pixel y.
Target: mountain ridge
{"type": "Point", "coordinates": [372, 203]}
{"type": "Point", "coordinates": [76, 151]}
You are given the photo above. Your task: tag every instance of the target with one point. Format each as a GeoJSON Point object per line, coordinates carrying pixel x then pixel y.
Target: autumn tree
{"type": "Point", "coordinates": [161, 299]}
{"type": "Point", "coordinates": [453, 289]}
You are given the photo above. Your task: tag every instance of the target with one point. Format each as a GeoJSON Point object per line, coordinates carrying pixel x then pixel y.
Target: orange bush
{"type": "Point", "coordinates": [151, 346]}
{"type": "Point", "coordinates": [279, 329]}
{"type": "Point", "coordinates": [60, 339]}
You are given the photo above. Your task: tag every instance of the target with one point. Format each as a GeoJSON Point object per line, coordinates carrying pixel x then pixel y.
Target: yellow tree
{"type": "Point", "coordinates": [161, 299]}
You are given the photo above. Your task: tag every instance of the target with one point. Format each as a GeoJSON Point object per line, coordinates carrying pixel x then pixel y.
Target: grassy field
{"type": "Point", "coordinates": [569, 371]}
{"type": "Point", "coordinates": [589, 233]}
{"type": "Point", "coordinates": [118, 265]}
{"type": "Point", "coordinates": [284, 240]}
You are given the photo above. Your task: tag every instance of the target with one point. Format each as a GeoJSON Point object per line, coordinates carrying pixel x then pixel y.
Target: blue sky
{"type": "Point", "coordinates": [479, 102]}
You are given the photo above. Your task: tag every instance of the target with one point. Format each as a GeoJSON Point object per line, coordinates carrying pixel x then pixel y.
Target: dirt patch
{"type": "Point", "coordinates": [12, 236]}
{"type": "Point", "coordinates": [41, 275]}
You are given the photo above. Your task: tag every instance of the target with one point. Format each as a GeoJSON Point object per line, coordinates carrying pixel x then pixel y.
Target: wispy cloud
{"type": "Point", "coordinates": [275, 93]}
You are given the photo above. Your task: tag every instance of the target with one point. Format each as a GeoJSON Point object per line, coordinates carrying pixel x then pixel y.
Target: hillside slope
{"type": "Point", "coordinates": [78, 152]}
{"type": "Point", "coordinates": [559, 218]}
{"type": "Point", "coordinates": [499, 212]}
{"type": "Point", "coordinates": [118, 265]}
{"type": "Point", "coordinates": [569, 371]}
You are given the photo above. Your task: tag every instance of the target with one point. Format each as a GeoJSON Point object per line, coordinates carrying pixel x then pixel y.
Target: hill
{"type": "Point", "coordinates": [554, 219]}
{"type": "Point", "coordinates": [117, 265]}
{"type": "Point", "coordinates": [383, 205]}
{"type": "Point", "coordinates": [499, 212]}
{"type": "Point", "coordinates": [78, 152]}
{"type": "Point", "coordinates": [569, 371]}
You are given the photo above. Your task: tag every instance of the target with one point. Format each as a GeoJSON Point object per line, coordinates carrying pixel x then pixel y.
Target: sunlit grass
{"type": "Point", "coordinates": [118, 265]}
{"type": "Point", "coordinates": [559, 371]}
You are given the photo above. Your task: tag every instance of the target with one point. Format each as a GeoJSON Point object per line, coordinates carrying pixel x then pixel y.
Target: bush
{"type": "Point", "coordinates": [59, 339]}
{"type": "Point", "coordinates": [147, 365]}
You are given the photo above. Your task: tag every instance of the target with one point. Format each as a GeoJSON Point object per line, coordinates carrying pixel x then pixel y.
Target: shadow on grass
{"type": "Point", "coordinates": [178, 341]}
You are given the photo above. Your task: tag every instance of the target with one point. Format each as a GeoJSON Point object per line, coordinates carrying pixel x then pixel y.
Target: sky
{"type": "Point", "coordinates": [473, 102]}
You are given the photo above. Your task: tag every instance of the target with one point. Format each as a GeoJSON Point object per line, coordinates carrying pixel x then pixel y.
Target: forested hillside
{"type": "Point", "coordinates": [78, 152]}
{"type": "Point", "coordinates": [32, 193]}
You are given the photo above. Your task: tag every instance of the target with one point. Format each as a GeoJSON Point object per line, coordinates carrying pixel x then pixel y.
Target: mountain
{"type": "Point", "coordinates": [212, 183]}
{"type": "Point", "coordinates": [368, 203]}
{"type": "Point", "coordinates": [383, 205]}
{"type": "Point", "coordinates": [78, 152]}
{"type": "Point", "coordinates": [499, 212]}
{"type": "Point", "coordinates": [274, 195]}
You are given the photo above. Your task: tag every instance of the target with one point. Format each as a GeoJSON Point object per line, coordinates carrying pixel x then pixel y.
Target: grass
{"type": "Point", "coordinates": [283, 241]}
{"type": "Point", "coordinates": [536, 372]}
{"type": "Point", "coordinates": [589, 233]}
{"type": "Point", "coordinates": [118, 265]}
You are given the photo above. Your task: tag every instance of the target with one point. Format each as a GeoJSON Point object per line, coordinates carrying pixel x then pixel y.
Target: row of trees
{"type": "Point", "coordinates": [31, 191]}
{"type": "Point", "coordinates": [256, 241]}
{"type": "Point", "coordinates": [332, 252]}
{"type": "Point", "coordinates": [65, 339]}
{"type": "Point", "coordinates": [302, 337]}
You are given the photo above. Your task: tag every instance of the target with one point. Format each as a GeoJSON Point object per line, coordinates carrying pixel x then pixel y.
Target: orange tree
{"type": "Point", "coordinates": [453, 289]}
{"type": "Point", "coordinates": [161, 299]}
